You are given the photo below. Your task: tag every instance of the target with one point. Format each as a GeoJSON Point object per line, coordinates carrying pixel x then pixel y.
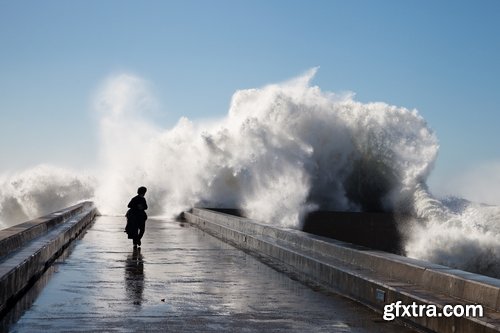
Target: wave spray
{"type": "Point", "coordinates": [282, 151]}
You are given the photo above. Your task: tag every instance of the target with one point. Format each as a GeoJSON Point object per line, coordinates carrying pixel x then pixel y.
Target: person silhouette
{"type": "Point", "coordinates": [136, 217]}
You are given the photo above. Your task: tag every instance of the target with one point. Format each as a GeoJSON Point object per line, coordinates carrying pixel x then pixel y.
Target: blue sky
{"type": "Point", "coordinates": [440, 57]}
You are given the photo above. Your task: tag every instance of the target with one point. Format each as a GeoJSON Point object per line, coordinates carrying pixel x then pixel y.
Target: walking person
{"type": "Point", "coordinates": [136, 216]}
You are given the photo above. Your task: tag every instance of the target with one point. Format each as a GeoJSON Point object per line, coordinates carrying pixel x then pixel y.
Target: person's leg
{"type": "Point", "coordinates": [142, 227]}
{"type": "Point", "coordinates": [133, 232]}
{"type": "Point", "coordinates": [135, 239]}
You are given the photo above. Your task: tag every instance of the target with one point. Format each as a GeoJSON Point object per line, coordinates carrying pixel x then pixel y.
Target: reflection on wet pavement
{"type": "Point", "coordinates": [181, 280]}
{"type": "Point", "coordinates": [134, 276]}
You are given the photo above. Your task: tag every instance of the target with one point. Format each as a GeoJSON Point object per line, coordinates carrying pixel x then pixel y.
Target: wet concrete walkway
{"type": "Point", "coordinates": [181, 280]}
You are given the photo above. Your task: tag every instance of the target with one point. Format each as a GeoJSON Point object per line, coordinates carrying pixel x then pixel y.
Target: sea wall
{"type": "Point", "coordinates": [27, 249]}
{"type": "Point", "coordinates": [372, 277]}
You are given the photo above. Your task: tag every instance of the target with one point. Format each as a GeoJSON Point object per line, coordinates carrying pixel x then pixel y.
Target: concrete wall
{"type": "Point", "coordinates": [28, 248]}
{"type": "Point", "coordinates": [372, 277]}
{"type": "Point", "coordinates": [374, 230]}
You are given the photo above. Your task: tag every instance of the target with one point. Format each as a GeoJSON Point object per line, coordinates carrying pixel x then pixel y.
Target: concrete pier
{"type": "Point", "coordinates": [77, 273]}
{"type": "Point", "coordinates": [372, 277]}
{"type": "Point", "coordinates": [27, 249]}
{"type": "Point", "coordinates": [181, 280]}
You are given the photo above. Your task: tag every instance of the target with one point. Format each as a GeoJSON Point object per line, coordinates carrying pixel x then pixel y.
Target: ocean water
{"type": "Point", "coordinates": [281, 151]}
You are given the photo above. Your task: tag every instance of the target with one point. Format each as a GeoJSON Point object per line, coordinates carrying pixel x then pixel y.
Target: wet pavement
{"type": "Point", "coordinates": [180, 280]}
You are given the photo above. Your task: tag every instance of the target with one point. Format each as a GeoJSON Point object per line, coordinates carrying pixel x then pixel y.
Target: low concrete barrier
{"type": "Point", "coordinates": [372, 277]}
{"type": "Point", "coordinates": [28, 248]}
{"type": "Point", "coordinates": [14, 237]}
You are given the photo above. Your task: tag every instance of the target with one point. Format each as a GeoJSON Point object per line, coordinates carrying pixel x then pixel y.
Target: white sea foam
{"type": "Point", "coordinates": [456, 233]}
{"type": "Point", "coordinates": [281, 151]}
{"type": "Point", "coordinates": [40, 190]}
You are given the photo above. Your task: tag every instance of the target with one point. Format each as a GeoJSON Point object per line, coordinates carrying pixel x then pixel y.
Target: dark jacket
{"type": "Point", "coordinates": [137, 209]}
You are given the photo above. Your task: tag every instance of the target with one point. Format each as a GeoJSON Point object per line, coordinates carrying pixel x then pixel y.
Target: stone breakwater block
{"type": "Point", "coordinates": [22, 266]}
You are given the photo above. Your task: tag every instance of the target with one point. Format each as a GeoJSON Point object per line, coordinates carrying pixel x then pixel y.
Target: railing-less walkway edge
{"type": "Point", "coordinates": [28, 248]}
{"type": "Point", "coordinates": [374, 278]}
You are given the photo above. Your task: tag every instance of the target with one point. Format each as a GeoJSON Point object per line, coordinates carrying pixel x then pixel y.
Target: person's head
{"type": "Point", "coordinates": [141, 191]}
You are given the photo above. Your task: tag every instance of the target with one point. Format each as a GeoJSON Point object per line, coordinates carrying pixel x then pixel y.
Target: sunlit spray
{"type": "Point", "coordinates": [41, 190]}
{"type": "Point", "coordinates": [282, 150]}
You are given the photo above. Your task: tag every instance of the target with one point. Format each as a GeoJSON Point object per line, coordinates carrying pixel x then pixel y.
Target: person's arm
{"type": "Point", "coordinates": [133, 203]}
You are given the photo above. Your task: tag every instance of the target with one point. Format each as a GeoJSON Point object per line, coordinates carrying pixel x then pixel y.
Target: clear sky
{"type": "Point", "coordinates": [440, 57]}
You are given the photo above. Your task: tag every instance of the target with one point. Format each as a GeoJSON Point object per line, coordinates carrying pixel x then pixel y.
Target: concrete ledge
{"type": "Point", "coordinates": [28, 255]}
{"type": "Point", "coordinates": [361, 273]}
{"type": "Point", "coordinates": [16, 236]}
{"type": "Point", "coordinates": [464, 285]}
